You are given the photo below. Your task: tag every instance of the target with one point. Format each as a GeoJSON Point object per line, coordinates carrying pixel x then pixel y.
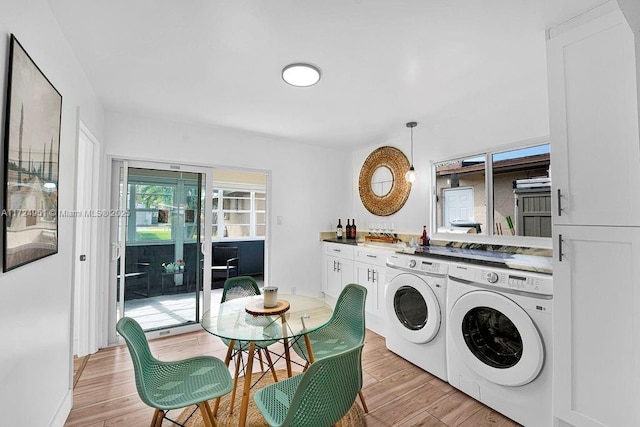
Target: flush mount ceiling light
{"type": "Point", "coordinates": [411, 174]}
{"type": "Point", "coordinates": [301, 74]}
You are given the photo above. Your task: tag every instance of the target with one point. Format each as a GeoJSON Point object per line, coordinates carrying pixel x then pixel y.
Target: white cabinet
{"type": "Point", "coordinates": [596, 218]}
{"type": "Point", "coordinates": [596, 326]}
{"type": "Point", "coordinates": [338, 268]}
{"type": "Point", "coordinates": [595, 164]}
{"type": "Point", "coordinates": [370, 273]}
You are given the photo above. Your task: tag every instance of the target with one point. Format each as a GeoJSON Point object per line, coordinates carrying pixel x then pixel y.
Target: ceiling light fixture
{"type": "Point", "coordinates": [301, 74]}
{"type": "Point", "coordinates": [411, 174]}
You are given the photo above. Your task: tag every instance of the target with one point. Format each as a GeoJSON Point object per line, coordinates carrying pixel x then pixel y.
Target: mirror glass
{"type": "Point", "coordinates": [382, 181]}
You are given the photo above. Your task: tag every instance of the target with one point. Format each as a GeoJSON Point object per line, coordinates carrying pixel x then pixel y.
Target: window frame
{"type": "Point", "coordinates": [221, 212]}
{"type": "Point", "coordinates": [490, 236]}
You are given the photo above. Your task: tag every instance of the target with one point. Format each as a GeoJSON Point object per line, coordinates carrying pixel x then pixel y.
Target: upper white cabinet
{"type": "Point", "coordinates": [594, 120]}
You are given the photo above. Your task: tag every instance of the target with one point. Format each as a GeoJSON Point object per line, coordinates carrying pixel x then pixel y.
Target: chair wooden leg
{"type": "Point", "coordinates": [207, 417]}
{"type": "Point", "coordinates": [273, 368]}
{"type": "Point", "coordinates": [227, 360]}
{"type": "Point", "coordinates": [260, 360]}
{"type": "Point", "coordinates": [364, 405]}
{"type": "Point", "coordinates": [158, 415]}
{"type": "Point", "coordinates": [235, 381]}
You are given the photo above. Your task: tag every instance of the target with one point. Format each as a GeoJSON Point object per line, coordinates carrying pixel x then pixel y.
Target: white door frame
{"type": "Point", "coordinates": [85, 283]}
{"type": "Point", "coordinates": [118, 236]}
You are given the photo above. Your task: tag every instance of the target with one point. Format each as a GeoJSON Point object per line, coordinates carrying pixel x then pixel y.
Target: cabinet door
{"type": "Point", "coordinates": [594, 120]}
{"type": "Point", "coordinates": [367, 276]}
{"type": "Point", "coordinates": [333, 276]}
{"type": "Point", "coordinates": [596, 309]}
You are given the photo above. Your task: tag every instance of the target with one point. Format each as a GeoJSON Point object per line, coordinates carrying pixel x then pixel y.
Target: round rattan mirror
{"type": "Point", "coordinates": [381, 192]}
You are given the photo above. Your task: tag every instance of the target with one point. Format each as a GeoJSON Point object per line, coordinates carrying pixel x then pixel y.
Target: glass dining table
{"type": "Point", "coordinates": [246, 321]}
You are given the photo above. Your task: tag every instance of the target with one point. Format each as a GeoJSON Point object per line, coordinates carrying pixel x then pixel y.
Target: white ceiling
{"type": "Point", "coordinates": [384, 62]}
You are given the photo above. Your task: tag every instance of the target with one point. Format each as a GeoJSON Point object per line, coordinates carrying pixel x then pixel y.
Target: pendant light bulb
{"type": "Point", "coordinates": [411, 174]}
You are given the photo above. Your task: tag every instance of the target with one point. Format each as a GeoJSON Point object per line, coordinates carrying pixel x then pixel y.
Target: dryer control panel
{"type": "Point", "coordinates": [534, 283]}
{"type": "Point", "coordinates": [417, 264]}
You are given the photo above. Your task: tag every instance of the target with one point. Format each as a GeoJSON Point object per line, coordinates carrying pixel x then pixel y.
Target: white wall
{"type": "Point", "coordinates": [511, 111]}
{"type": "Point", "coordinates": [309, 185]}
{"type": "Point", "coordinates": [35, 300]}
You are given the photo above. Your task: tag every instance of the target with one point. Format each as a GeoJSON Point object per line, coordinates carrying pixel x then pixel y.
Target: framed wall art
{"type": "Point", "coordinates": [31, 155]}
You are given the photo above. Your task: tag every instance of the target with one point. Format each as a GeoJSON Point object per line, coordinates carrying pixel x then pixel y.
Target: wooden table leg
{"type": "Point", "coordinates": [285, 340]}
{"type": "Point", "coordinates": [307, 341]}
{"type": "Point", "coordinates": [227, 360]}
{"type": "Point", "coordinates": [247, 385]}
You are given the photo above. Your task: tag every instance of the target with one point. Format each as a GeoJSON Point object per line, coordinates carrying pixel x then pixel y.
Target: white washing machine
{"type": "Point", "coordinates": [415, 303]}
{"type": "Point", "coordinates": [499, 342]}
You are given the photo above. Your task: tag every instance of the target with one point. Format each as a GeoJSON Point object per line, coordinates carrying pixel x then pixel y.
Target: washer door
{"type": "Point", "coordinates": [496, 338]}
{"type": "Point", "coordinates": [412, 308]}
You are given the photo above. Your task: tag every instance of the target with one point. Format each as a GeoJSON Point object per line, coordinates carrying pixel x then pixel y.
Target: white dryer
{"type": "Point", "coordinates": [415, 303]}
{"type": "Point", "coordinates": [499, 342]}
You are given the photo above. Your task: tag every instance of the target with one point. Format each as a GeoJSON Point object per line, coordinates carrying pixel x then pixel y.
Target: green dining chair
{"type": "Point", "coordinates": [345, 329]}
{"type": "Point", "coordinates": [240, 287]}
{"type": "Point", "coordinates": [318, 397]}
{"type": "Point", "coordinates": [175, 384]}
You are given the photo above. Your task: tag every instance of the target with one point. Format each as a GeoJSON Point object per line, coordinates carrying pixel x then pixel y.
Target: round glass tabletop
{"type": "Point", "coordinates": [232, 321]}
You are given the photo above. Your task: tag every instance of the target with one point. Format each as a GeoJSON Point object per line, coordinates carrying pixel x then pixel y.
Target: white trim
{"type": "Point", "coordinates": [61, 415]}
{"type": "Point", "coordinates": [86, 328]}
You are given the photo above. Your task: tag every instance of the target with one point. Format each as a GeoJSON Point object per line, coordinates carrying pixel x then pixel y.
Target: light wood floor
{"type": "Point", "coordinates": [397, 392]}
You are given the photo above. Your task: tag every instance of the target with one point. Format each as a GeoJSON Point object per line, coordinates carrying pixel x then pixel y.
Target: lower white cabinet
{"type": "Point", "coordinates": [596, 326]}
{"type": "Point", "coordinates": [338, 268]}
{"type": "Point", "coordinates": [343, 264]}
{"type": "Point", "coordinates": [370, 273]}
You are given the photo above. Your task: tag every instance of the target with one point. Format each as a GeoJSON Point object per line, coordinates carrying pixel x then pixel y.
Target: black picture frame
{"type": "Point", "coordinates": [31, 161]}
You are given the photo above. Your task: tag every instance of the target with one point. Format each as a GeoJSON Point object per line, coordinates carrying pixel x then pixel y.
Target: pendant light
{"type": "Point", "coordinates": [411, 174]}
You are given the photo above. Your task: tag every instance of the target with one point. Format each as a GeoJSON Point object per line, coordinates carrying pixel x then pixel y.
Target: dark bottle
{"type": "Point", "coordinates": [353, 228]}
{"type": "Point", "coordinates": [348, 230]}
{"type": "Point", "coordinates": [339, 230]}
{"type": "Point", "coordinates": [424, 239]}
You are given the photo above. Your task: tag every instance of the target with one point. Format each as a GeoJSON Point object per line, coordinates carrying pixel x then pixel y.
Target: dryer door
{"type": "Point", "coordinates": [496, 338]}
{"type": "Point", "coordinates": [412, 308]}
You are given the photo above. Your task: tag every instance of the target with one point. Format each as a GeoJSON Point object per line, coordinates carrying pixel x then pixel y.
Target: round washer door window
{"type": "Point", "coordinates": [496, 338]}
{"type": "Point", "coordinates": [412, 308]}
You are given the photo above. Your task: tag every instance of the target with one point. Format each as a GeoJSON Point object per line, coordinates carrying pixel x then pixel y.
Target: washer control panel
{"type": "Point", "coordinates": [535, 283]}
{"type": "Point", "coordinates": [418, 265]}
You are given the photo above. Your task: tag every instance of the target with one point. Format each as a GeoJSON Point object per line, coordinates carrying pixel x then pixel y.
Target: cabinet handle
{"type": "Point", "coordinates": [340, 250]}
{"type": "Point", "coordinates": [373, 274]}
{"type": "Point", "coordinates": [368, 274]}
{"type": "Point", "coordinates": [559, 203]}
{"type": "Point", "coordinates": [372, 256]}
{"type": "Point", "coordinates": [334, 265]}
{"type": "Point", "coordinates": [560, 247]}
{"type": "Point", "coordinates": [338, 266]}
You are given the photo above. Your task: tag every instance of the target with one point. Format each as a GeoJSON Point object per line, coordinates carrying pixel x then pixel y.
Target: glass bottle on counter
{"type": "Point", "coordinates": [348, 230]}
{"type": "Point", "coordinates": [424, 239]}
{"type": "Point", "coordinates": [339, 230]}
{"type": "Point", "coordinates": [353, 228]}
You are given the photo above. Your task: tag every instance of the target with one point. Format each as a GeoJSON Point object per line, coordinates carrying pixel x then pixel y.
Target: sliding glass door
{"type": "Point", "coordinates": [159, 243]}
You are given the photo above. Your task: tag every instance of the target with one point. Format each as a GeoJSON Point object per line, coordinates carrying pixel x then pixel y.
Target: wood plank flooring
{"type": "Point", "coordinates": [397, 392]}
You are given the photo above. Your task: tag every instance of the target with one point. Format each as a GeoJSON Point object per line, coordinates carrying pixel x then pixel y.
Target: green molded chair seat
{"type": "Point", "coordinates": [319, 397]}
{"type": "Point", "coordinates": [175, 384]}
{"type": "Point", "coordinates": [345, 330]}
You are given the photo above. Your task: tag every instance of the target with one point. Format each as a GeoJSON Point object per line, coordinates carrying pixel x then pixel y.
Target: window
{"type": "Point", "coordinates": [239, 204]}
{"type": "Point", "coordinates": [496, 193]}
{"type": "Point", "coordinates": [159, 209]}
